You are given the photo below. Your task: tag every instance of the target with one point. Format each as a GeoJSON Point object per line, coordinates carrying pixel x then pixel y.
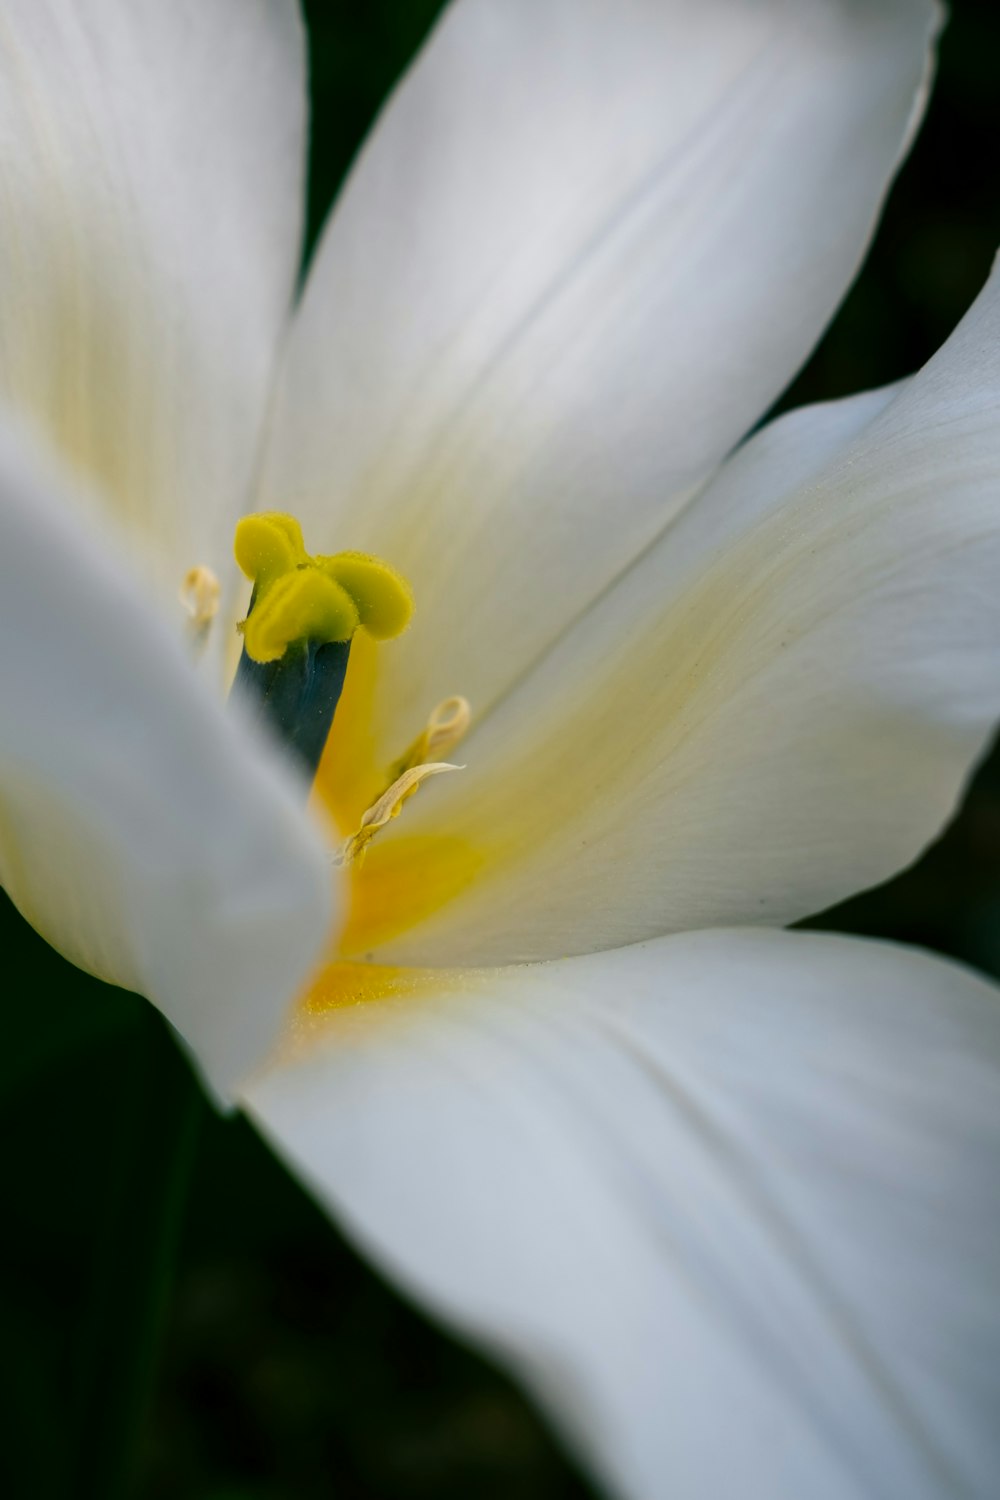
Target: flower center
{"type": "Point", "coordinates": [303, 616]}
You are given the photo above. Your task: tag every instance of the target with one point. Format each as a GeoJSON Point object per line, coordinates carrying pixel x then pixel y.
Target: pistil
{"type": "Point", "coordinates": [303, 615]}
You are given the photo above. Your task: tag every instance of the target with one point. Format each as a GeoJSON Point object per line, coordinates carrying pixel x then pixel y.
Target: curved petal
{"type": "Point", "coordinates": [777, 707]}
{"type": "Point", "coordinates": [587, 244]}
{"type": "Point", "coordinates": [728, 1202]}
{"type": "Point", "coordinates": [150, 211]}
{"type": "Point", "coordinates": [142, 831]}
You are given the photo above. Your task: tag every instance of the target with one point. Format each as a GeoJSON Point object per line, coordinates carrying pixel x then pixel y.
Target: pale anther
{"type": "Point", "coordinates": [388, 807]}
{"type": "Point", "coordinates": [446, 726]}
{"type": "Point", "coordinates": [200, 593]}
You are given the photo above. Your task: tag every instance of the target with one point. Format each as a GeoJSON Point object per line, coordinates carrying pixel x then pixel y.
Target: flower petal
{"type": "Point", "coordinates": [777, 707]}
{"type": "Point", "coordinates": [728, 1202]}
{"type": "Point", "coordinates": [588, 243]}
{"type": "Point", "coordinates": [150, 213]}
{"type": "Point", "coordinates": [142, 831]}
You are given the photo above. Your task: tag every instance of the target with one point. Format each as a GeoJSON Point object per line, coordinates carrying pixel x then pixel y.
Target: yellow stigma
{"type": "Point", "coordinates": [268, 545]}
{"type": "Point", "coordinates": [299, 598]}
{"type": "Point", "coordinates": [302, 606]}
{"type": "Point", "coordinates": [383, 596]}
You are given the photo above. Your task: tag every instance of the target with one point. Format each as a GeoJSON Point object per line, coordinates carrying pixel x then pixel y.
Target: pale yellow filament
{"type": "Point", "coordinates": [388, 807]}
{"type": "Point", "coordinates": [446, 726]}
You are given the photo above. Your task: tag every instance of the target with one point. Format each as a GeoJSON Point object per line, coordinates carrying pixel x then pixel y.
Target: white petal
{"type": "Point", "coordinates": [588, 243]}
{"type": "Point", "coordinates": [141, 830]}
{"type": "Point", "coordinates": [777, 707]}
{"type": "Point", "coordinates": [728, 1202]}
{"type": "Point", "coordinates": [151, 162]}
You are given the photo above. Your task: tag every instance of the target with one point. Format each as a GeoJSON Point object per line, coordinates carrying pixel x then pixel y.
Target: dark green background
{"type": "Point", "coordinates": [290, 1370]}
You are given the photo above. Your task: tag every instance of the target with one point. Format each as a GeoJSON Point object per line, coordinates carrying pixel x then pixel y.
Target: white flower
{"type": "Point", "coordinates": [726, 1200]}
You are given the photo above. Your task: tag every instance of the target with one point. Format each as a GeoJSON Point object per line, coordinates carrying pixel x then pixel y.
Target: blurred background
{"type": "Point", "coordinates": [289, 1370]}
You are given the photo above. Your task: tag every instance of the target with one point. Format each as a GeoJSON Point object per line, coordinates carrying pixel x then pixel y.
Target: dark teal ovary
{"type": "Point", "coordinates": [297, 696]}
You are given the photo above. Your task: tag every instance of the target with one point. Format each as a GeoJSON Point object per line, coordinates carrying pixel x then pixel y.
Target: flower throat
{"type": "Point", "coordinates": [303, 615]}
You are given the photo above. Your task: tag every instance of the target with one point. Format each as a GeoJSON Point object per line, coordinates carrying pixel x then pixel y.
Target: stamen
{"type": "Point", "coordinates": [200, 592]}
{"type": "Point", "coordinates": [446, 726]}
{"type": "Point", "coordinates": [388, 806]}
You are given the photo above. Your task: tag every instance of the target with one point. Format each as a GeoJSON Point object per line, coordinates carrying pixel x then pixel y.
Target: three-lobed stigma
{"type": "Point", "coordinates": [302, 599]}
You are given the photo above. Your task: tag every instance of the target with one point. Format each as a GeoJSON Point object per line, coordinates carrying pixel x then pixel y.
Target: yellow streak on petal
{"type": "Point", "coordinates": [341, 984]}
{"type": "Point", "coordinates": [350, 1001]}
{"type": "Point", "coordinates": [348, 780]}
{"type": "Point", "coordinates": [402, 882]}
{"type": "Point", "coordinates": [404, 878]}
